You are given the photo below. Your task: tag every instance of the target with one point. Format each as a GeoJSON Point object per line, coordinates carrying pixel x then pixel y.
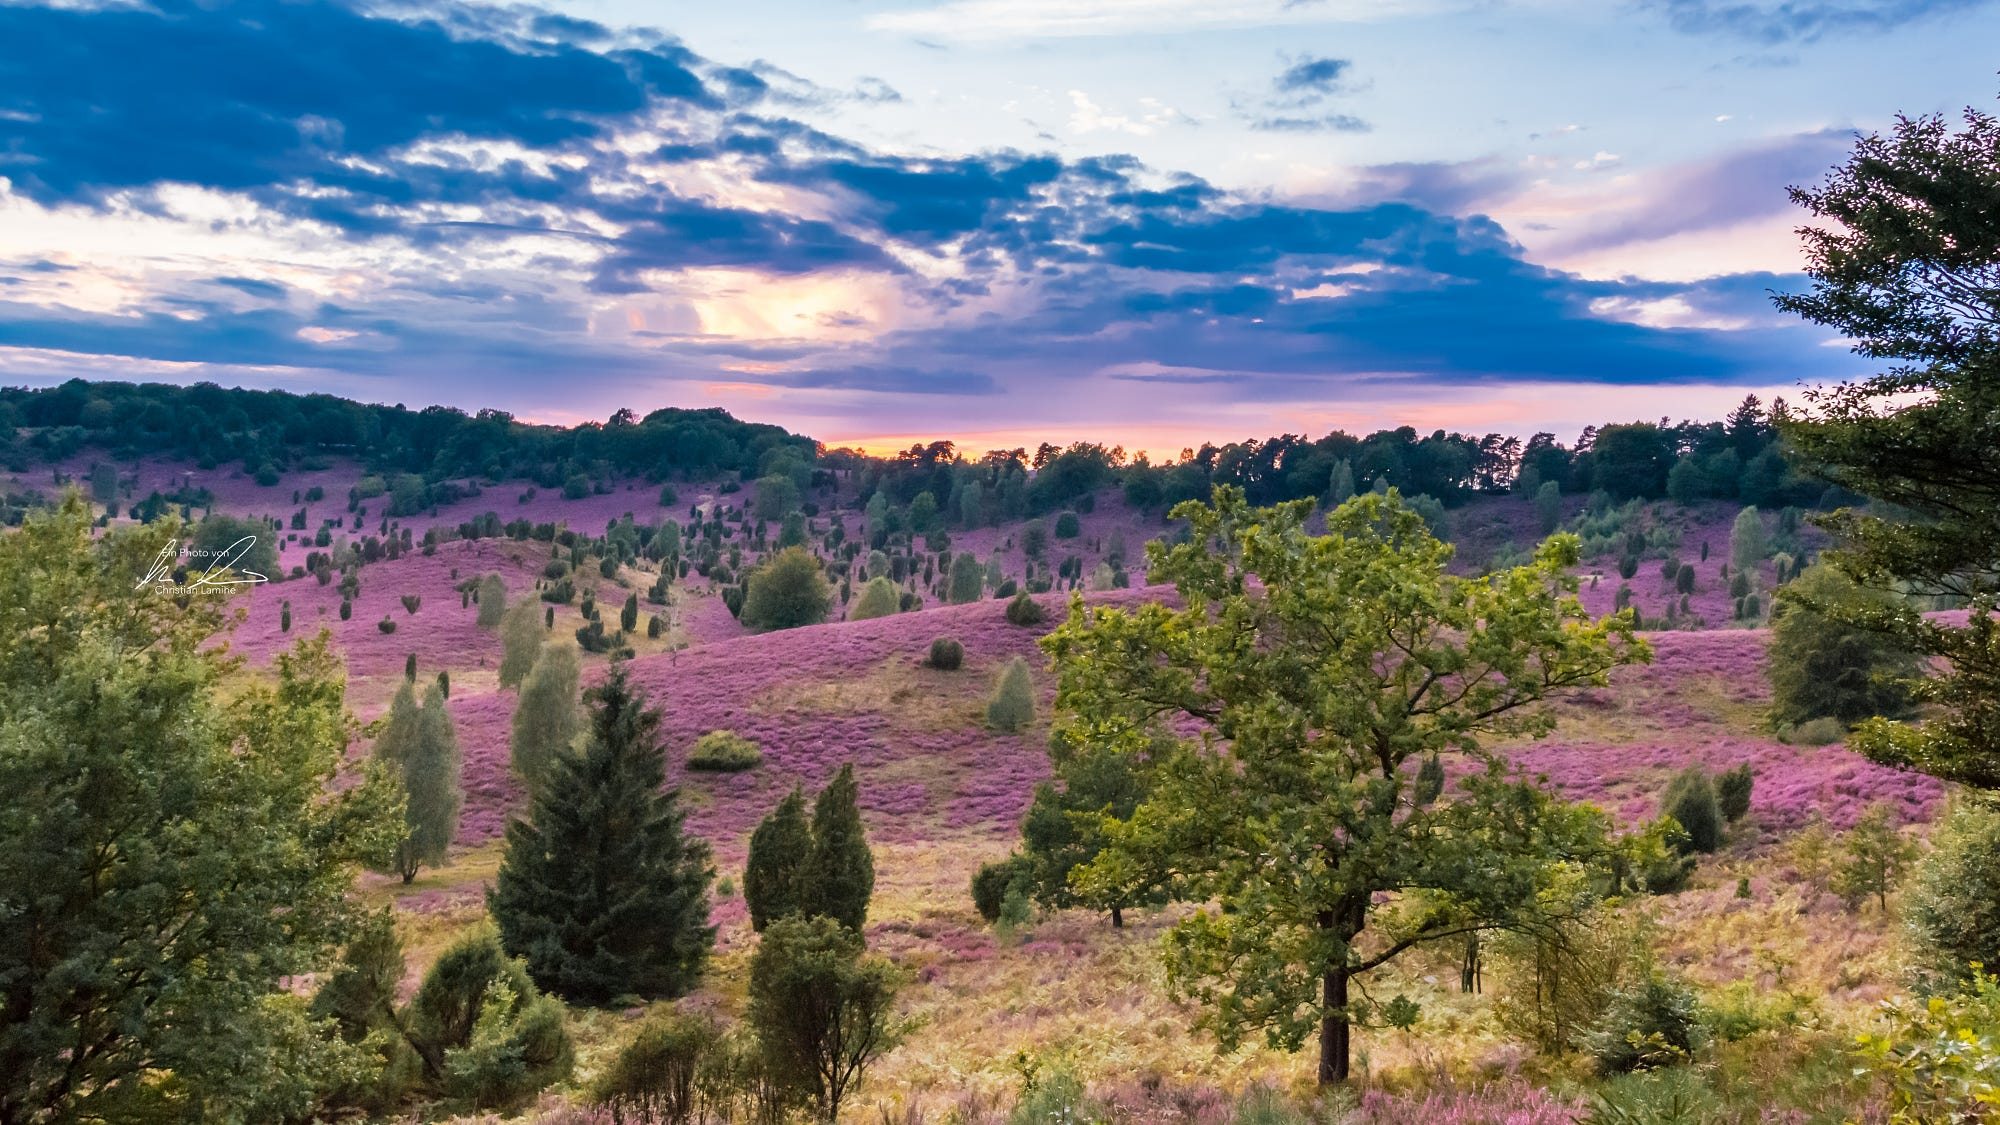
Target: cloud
{"type": "Point", "coordinates": [485, 200]}
{"type": "Point", "coordinates": [1312, 76]}
{"type": "Point", "coordinates": [1035, 19]}
{"type": "Point", "coordinates": [1782, 21]}
{"type": "Point", "coordinates": [1323, 123]}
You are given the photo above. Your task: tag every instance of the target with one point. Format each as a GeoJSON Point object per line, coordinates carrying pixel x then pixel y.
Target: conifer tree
{"type": "Point", "coordinates": [433, 797]}
{"type": "Point", "coordinates": [1013, 705]}
{"type": "Point", "coordinates": [520, 641]}
{"type": "Point", "coordinates": [628, 618]}
{"type": "Point", "coordinates": [968, 579]}
{"type": "Point", "coordinates": [600, 892]}
{"type": "Point", "coordinates": [839, 874]}
{"type": "Point", "coordinates": [778, 852]}
{"type": "Point", "coordinates": [492, 601]}
{"type": "Point", "coordinates": [879, 598]}
{"type": "Point", "coordinates": [545, 719]}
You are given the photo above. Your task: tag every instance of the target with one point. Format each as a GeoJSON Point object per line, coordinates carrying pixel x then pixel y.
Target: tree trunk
{"type": "Point", "coordinates": [1470, 973]}
{"type": "Point", "coordinates": [1333, 1027]}
{"type": "Point", "coordinates": [1117, 918]}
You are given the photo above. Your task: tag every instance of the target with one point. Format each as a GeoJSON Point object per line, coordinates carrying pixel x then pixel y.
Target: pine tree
{"type": "Point", "coordinates": [778, 852]}
{"type": "Point", "coordinates": [545, 719]}
{"type": "Point", "coordinates": [431, 788]}
{"type": "Point", "coordinates": [839, 873]}
{"type": "Point", "coordinates": [600, 892]}
{"type": "Point", "coordinates": [520, 641]}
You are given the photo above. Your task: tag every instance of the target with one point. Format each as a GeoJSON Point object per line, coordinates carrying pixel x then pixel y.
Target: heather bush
{"type": "Point", "coordinates": [722, 751]}
{"type": "Point", "coordinates": [946, 655]}
{"type": "Point", "coordinates": [1653, 1022]}
{"type": "Point", "coordinates": [1952, 907]}
{"type": "Point", "coordinates": [1732, 791]}
{"type": "Point", "coordinates": [1691, 800]}
{"type": "Point", "coordinates": [1012, 707]}
{"type": "Point", "coordinates": [1025, 611]}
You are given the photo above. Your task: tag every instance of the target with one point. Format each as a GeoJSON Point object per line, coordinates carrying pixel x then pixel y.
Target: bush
{"type": "Point", "coordinates": [786, 592]}
{"type": "Point", "coordinates": [479, 1020]}
{"type": "Point", "coordinates": [1815, 732]}
{"type": "Point", "coordinates": [412, 602]}
{"type": "Point", "coordinates": [1953, 904]}
{"type": "Point", "coordinates": [346, 609]}
{"type": "Point", "coordinates": [1025, 611]}
{"type": "Point", "coordinates": [724, 751]}
{"type": "Point", "coordinates": [1653, 1023]}
{"type": "Point", "coordinates": [653, 1077]}
{"type": "Point", "coordinates": [1012, 707]}
{"type": "Point", "coordinates": [1690, 799]}
{"type": "Point", "coordinates": [1941, 1058]}
{"type": "Point", "coordinates": [992, 883]}
{"type": "Point", "coordinates": [946, 654]}
{"type": "Point", "coordinates": [879, 598]}
{"type": "Point", "coordinates": [1068, 526]}
{"type": "Point", "coordinates": [822, 1008]}
{"type": "Point", "coordinates": [387, 625]}
{"type": "Point", "coordinates": [1732, 791]}
{"type": "Point", "coordinates": [1823, 667]}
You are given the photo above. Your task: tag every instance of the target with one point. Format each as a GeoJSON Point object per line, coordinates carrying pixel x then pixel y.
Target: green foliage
{"type": "Point", "coordinates": [822, 1008]}
{"type": "Point", "coordinates": [1025, 611]}
{"type": "Point", "coordinates": [1897, 268]}
{"type": "Point", "coordinates": [483, 1031]}
{"type": "Point", "coordinates": [429, 770]}
{"type": "Point", "coordinates": [1068, 526]}
{"type": "Point", "coordinates": [492, 600]}
{"type": "Point", "coordinates": [1952, 906]}
{"type": "Point", "coordinates": [545, 717]}
{"type": "Point", "coordinates": [1653, 1022]}
{"type": "Point", "coordinates": [724, 751]}
{"type": "Point", "coordinates": [1572, 963]}
{"type": "Point", "coordinates": [778, 852]}
{"type": "Point", "coordinates": [228, 543]}
{"type": "Point", "coordinates": [359, 997]}
{"type": "Point", "coordinates": [520, 642]}
{"type": "Point", "coordinates": [1064, 829]}
{"type": "Point", "coordinates": [1874, 856]}
{"type": "Point", "coordinates": [777, 497]}
{"type": "Point", "coordinates": [1012, 707]}
{"type": "Point", "coordinates": [1323, 721]}
{"type": "Point", "coordinates": [1732, 791]}
{"type": "Point", "coordinates": [1941, 1057]}
{"type": "Point", "coordinates": [967, 582]}
{"type": "Point", "coordinates": [1548, 507]}
{"type": "Point", "coordinates": [879, 598]}
{"type": "Point", "coordinates": [600, 889]}
{"type": "Point", "coordinates": [386, 625]}
{"type": "Point", "coordinates": [1656, 859]}
{"type": "Point", "coordinates": [787, 591]}
{"type": "Point", "coordinates": [653, 1078]}
{"type": "Point", "coordinates": [946, 655]}
{"type": "Point", "coordinates": [1824, 663]}
{"type": "Point", "coordinates": [993, 881]}
{"type": "Point", "coordinates": [1690, 798]}
{"type": "Point", "coordinates": [154, 905]}
{"type": "Point", "coordinates": [838, 877]}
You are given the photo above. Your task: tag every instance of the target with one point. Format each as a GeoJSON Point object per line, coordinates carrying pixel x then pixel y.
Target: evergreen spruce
{"type": "Point", "coordinates": [600, 892]}
{"type": "Point", "coordinates": [839, 873]}
{"type": "Point", "coordinates": [778, 852]}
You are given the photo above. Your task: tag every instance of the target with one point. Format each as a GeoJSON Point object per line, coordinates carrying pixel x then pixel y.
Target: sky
{"type": "Point", "coordinates": [995, 221]}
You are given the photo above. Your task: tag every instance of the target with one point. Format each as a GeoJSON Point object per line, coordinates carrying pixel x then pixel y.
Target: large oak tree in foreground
{"type": "Point", "coordinates": [1287, 709]}
{"type": "Point", "coordinates": [1907, 266]}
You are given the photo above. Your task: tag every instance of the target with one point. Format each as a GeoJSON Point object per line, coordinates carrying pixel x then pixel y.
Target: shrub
{"type": "Point", "coordinates": [482, 1027]}
{"type": "Point", "coordinates": [723, 751]}
{"type": "Point", "coordinates": [1005, 589]}
{"type": "Point", "coordinates": [946, 654]}
{"type": "Point", "coordinates": [821, 1007]}
{"type": "Point", "coordinates": [879, 598]}
{"type": "Point", "coordinates": [1953, 905]}
{"type": "Point", "coordinates": [652, 1078]}
{"type": "Point", "coordinates": [1628, 566]}
{"type": "Point", "coordinates": [786, 592]}
{"type": "Point", "coordinates": [1025, 611]}
{"type": "Point", "coordinates": [1941, 1058]}
{"type": "Point", "coordinates": [1874, 857]}
{"type": "Point", "coordinates": [1068, 526]}
{"type": "Point", "coordinates": [346, 608]}
{"type": "Point", "coordinates": [1653, 1023]}
{"type": "Point", "coordinates": [1732, 791]}
{"type": "Point", "coordinates": [1012, 707]}
{"type": "Point", "coordinates": [1690, 799]}
{"type": "Point", "coordinates": [387, 625]}
{"type": "Point", "coordinates": [411, 603]}
{"type": "Point", "coordinates": [491, 595]}
{"type": "Point", "coordinates": [993, 881]}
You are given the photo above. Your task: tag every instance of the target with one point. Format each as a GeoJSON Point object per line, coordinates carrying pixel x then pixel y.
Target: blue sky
{"type": "Point", "coordinates": [1001, 221]}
